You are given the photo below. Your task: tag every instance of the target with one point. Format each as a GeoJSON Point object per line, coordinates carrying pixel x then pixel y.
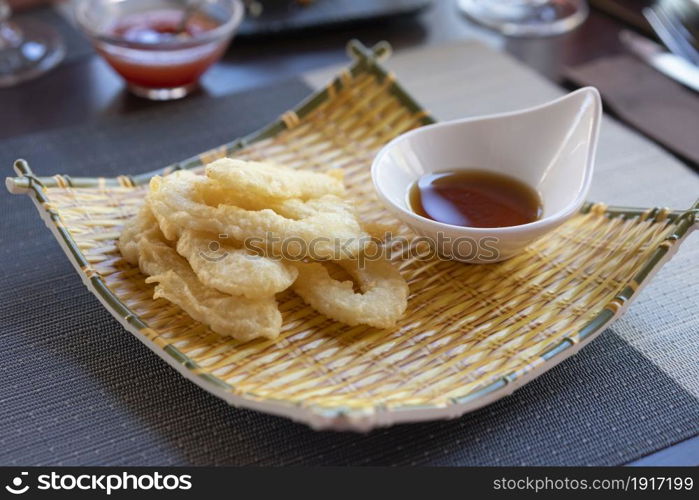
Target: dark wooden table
{"type": "Point", "coordinates": [85, 89]}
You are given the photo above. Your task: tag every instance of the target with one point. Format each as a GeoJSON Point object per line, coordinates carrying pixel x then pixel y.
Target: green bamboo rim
{"type": "Point", "coordinates": [365, 61]}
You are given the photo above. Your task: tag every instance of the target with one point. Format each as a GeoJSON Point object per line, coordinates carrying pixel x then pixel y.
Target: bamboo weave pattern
{"type": "Point", "coordinates": [466, 327]}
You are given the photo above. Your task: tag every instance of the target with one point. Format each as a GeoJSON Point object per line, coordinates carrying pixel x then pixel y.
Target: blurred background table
{"type": "Point", "coordinates": [85, 88]}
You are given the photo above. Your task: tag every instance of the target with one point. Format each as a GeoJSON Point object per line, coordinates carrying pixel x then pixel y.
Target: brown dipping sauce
{"type": "Point", "coordinates": [475, 198]}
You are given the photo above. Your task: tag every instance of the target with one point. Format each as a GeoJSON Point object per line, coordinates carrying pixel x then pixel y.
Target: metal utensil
{"type": "Point", "coordinates": [671, 31]}
{"type": "Point", "coordinates": [671, 65]}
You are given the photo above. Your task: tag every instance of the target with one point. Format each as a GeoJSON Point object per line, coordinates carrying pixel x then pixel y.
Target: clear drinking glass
{"type": "Point", "coordinates": [28, 48]}
{"type": "Point", "coordinates": [160, 47]}
{"type": "Point", "coordinates": [527, 18]}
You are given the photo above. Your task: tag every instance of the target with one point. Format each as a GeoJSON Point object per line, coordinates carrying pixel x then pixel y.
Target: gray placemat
{"type": "Point", "coordinates": [76, 388]}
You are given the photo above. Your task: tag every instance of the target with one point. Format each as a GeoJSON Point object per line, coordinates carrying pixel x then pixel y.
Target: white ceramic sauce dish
{"type": "Point", "coordinates": [550, 147]}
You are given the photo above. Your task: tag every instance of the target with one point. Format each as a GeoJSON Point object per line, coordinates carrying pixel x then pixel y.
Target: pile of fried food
{"type": "Point", "coordinates": [194, 238]}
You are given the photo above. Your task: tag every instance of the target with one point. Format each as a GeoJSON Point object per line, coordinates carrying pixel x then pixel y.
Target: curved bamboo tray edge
{"type": "Point", "coordinates": [340, 418]}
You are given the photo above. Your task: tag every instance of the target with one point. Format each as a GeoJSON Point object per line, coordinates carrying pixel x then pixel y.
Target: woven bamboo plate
{"type": "Point", "coordinates": [472, 334]}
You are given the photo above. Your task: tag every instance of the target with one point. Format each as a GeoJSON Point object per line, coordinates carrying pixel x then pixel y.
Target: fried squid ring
{"type": "Point", "coordinates": [256, 185]}
{"type": "Point", "coordinates": [382, 301]}
{"type": "Point", "coordinates": [133, 230]}
{"type": "Point", "coordinates": [326, 225]}
{"type": "Point", "coordinates": [236, 271]}
{"type": "Point", "coordinates": [239, 317]}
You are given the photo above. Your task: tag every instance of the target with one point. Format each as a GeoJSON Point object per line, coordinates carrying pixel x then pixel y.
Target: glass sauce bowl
{"type": "Point", "coordinates": [160, 47]}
